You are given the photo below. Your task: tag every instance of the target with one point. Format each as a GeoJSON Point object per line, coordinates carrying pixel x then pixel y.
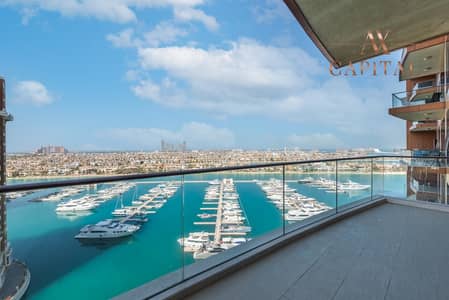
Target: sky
{"type": "Point", "coordinates": [96, 75]}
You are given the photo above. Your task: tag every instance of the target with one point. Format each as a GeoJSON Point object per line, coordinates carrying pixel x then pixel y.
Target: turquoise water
{"type": "Point", "coordinates": [61, 267]}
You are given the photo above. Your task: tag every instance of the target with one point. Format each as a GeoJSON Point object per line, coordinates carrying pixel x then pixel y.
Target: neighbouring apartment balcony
{"type": "Point", "coordinates": [422, 154]}
{"type": "Point", "coordinates": [424, 126]}
{"type": "Point", "coordinates": [427, 190]}
{"type": "Point", "coordinates": [420, 159]}
{"type": "Point", "coordinates": [424, 104]}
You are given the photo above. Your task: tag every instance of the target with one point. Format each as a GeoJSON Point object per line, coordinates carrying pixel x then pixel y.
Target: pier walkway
{"type": "Point", "coordinates": [217, 235]}
{"type": "Point", "coordinates": [142, 207]}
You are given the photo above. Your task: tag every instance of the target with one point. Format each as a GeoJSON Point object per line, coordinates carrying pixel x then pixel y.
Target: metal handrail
{"type": "Point", "coordinates": [114, 178]}
{"type": "Point", "coordinates": [412, 90]}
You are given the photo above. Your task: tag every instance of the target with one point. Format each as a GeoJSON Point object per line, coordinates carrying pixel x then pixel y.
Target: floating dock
{"type": "Point", "coordinates": [217, 235]}
{"type": "Point", "coordinates": [143, 207]}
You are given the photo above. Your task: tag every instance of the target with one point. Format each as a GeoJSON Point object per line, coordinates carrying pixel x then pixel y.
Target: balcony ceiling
{"type": "Point", "coordinates": [423, 112]}
{"type": "Point", "coordinates": [424, 62]}
{"type": "Point", "coordinates": [339, 28]}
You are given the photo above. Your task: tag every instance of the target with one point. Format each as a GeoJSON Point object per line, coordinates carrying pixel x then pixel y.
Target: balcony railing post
{"type": "Point", "coordinates": [182, 227]}
{"type": "Point", "coordinates": [372, 179]}
{"type": "Point", "coordinates": [383, 176]}
{"type": "Point", "coordinates": [283, 199]}
{"type": "Point", "coordinates": [336, 186]}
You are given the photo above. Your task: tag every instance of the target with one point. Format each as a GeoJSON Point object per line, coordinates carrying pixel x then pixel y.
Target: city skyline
{"type": "Point", "coordinates": [181, 70]}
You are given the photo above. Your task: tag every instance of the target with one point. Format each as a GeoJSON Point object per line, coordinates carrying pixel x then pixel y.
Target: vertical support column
{"type": "Point", "coordinates": [336, 186]}
{"type": "Point", "coordinates": [383, 176]}
{"type": "Point", "coordinates": [372, 178]}
{"type": "Point", "coordinates": [183, 236]}
{"type": "Point", "coordinates": [3, 236]}
{"type": "Point", "coordinates": [283, 199]}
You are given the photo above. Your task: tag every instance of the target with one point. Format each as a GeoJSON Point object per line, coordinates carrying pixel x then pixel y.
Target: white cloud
{"type": "Point", "coordinates": [132, 75]}
{"type": "Point", "coordinates": [281, 83]}
{"type": "Point", "coordinates": [164, 33]}
{"type": "Point", "coordinates": [315, 141]}
{"type": "Point", "coordinates": [32, 92]}
{"type": "Point", "coordinates": [124, 39]}
{"type": "Point", "coordinates": [27, 14]}
{"type": "Point", "coordinates": [188, 14]}
{"type": "Point", "coordinates": [270, 10]}
{"type": "Point", "coordinates": [196, 135]}
{"type": "Point", "coordinates": [239, 80]}
{"type": "Point", "coordinates": [118, 11]}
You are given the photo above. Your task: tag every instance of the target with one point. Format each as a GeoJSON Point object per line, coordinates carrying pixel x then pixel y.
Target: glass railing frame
{"type": "Point", "coordinates": [182, 173]}
{"type": "Point", "coordinates": [9, 188]}
{"type": "Point", "coordinates": [398, 101]}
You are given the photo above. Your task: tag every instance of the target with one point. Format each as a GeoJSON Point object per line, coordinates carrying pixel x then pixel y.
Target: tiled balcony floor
{"type": "Point", "coordinates": [388, 252]}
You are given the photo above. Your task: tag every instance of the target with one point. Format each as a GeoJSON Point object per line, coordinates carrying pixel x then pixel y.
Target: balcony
{"type": "Point", "coordinates": [424, 126]}
{"type": "Point", "coordinates": [383, 252]}
{"type": "Point", "coordinates": [363, 229]}
{"type": "Point", "coordinates": [426, 104]}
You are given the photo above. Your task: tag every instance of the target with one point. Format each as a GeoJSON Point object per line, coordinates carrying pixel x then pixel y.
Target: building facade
{"type": "Point", "coordinates": [52, 150]}
{"type": "Point", "coordinates": [424, 106]}
{"type": "Point", "coordinates": [4, 258]}
{"type": "Point", "coordinates": [14, 275]}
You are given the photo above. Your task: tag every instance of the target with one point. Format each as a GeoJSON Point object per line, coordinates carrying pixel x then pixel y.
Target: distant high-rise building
{"type": "Point", "coordinates": [12, 273]}
{"type": "Point", "coordinates": [51, 149]}
{"type": "Point", "coordinates": [168, 147]}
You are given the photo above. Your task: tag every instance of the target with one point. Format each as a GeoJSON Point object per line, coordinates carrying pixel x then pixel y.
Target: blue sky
{"type": "Point", "coordinates": [124, 74]}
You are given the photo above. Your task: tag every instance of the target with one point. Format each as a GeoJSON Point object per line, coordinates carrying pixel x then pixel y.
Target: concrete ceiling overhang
{"type": "Point", "coordinates": [424, 112]}
{"type": "Point", "coordinates": [423, 62]}
{"type": "Point", "coordinates": [340, 28]}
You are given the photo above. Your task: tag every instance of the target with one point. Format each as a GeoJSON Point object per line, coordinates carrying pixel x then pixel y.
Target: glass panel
{"type": "Point", "coordinates": [227, 213]}
{"type": "Point", "coordinates": [427, 180]}
{"type": "Point", "coordinates": [309, 193]}
{"type": "Point", "coordinates": [354, 182]}
{"type": "Point", "coordinates": [116, 235]}
{"type": "Point", "coordinates": [418, 96]}
{"type": "Point", "coordinates": [395, 177]}
{"type": "Point", "coordinates": [378, 176]}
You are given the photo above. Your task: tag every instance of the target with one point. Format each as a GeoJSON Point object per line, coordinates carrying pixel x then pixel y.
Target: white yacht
{"type": "Point", "coordinates": [353, 186]}
{"type": "Point", "coordinates": [234, 228]}
{"type": "Point", "coordinates": [206, 216]}
{"type": "Point", "coordinates": [214, 182]}
{"type": "Point", "coordinates": [195, 241]}
{"type": "Point", "coordinates": [126, 211]}
{"type": "Point", "coordinates": [231, 242]}
{"type": "Point", "coordinates": [297, 215]}
{"type": "Point", "coordinates": [137, 202]}
{"type": "Point", "coordinates": [108, 229]}
{"type": "Point", "coordinates": [73, 206]}
{"type": "Point", "coordinates": [306, 180]}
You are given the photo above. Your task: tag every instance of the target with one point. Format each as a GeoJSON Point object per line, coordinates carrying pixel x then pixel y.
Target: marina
{"type": "Point", "coordinates": [64, 193]}
{"type": "Point", "coordinates": [91, 201]}
{"type": "Point", "coordinates": [332, 186]}
{"type": "Point", "coordinates": [45, 235]}
{"type": "Point", "coordinates": [190, 149]}
{"type": "Point", "coordinates": [295, 207]}
{"type": "Point", "coordinates": [130, 218]}
{"type": "Point", "coordinates": [228, 220]}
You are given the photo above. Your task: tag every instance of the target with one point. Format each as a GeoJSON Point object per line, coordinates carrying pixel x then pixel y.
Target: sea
{"type": "Point", "coordinates": [63, 268]}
